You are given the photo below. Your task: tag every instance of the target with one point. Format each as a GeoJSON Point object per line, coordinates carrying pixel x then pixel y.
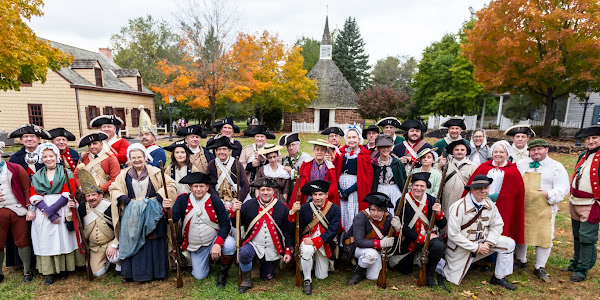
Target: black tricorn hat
{"type": "Point", "coordinates": [379, 199]}
{"type": "Point", "coordinates": [180, 143]}
{"type": "Point", "coordinates": [106, 119]}
{"type": "Point", "coordinates": [315, 186]}
{"type": "Point", "coordinates": [287, 139]}
{"type": "Point", "coordinates": [389, 121]}
{"type": "Point", "coordinates": [417, 124]}
{"type": "Point", "coordinates": [521, 128]}
{"type": "Point", "coordinates": [197, 177]}
{"type": "Point", "coordinates": [424, 176]}
{"type": "Point", "coordinates": [92, 137]}
{"type": "Point", "coordinates": [451, 146]}
{"type": "Point", "coordinates": [333, 129]}
{"type": "Point", "coordinates": [265, 182]}
{"type": "Point", "coordinates": [259, 129]}
{"type": "Point", "coordinates": [221, 142]}
{"type": "Point", "coordinates": [192, 129]}
{"type": "Point", "coordinates": [479, 181]}
{"type": "Point", "coordinates": [30, 129]}
{"type": "Point", "coordinates": [229, 120]}
{"type": "Point", "coordinates": [460, 122]}
{"type": "Point", "coordinates": [56, 132]}
{"type": "Point", "coordinates": [370, 128]}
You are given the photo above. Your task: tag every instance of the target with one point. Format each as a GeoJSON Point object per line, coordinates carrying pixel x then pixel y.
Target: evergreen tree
{"type": "Point", "coordinates": [349, 55]}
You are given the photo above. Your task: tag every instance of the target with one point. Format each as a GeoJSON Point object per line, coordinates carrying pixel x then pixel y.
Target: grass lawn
{"type": "Point", "coordinates": [475, 285]}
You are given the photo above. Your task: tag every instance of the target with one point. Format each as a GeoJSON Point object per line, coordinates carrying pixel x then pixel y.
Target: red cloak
{"type": "Point", "coordinates": [511, 199]}
{"type": "Point", "coordinates": [364, 173]}
{"type": "Point", "coordinates": [332, 195]}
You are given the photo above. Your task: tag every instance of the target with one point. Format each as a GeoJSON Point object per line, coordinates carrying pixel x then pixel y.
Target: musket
{"type": "Point", "coordinates": [297, 237]}
{"type": "Point", "coordinates": [238, 221]}
{"type": "Point", "coordinates": [81, 241]}
{"type": "Point", "coordinates": [425, 253]}
{"type": "Point", "coordinates": [169, 215]}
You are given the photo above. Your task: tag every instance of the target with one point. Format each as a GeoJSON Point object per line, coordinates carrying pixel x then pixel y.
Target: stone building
{"type": "Point", "coordinates": [336, 102]}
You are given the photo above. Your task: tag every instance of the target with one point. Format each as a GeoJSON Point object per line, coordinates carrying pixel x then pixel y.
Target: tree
{"type": "Point", "coordinates": [395, 71]}
{"type": "Point", "coordinates": [310, 52]}
{"type": "Point", "coordinates": [444, 83]}
{"type": "Point", "coordinates": [383, 101]}
{"type": "Point", "coordinates": [518, 108]}
{"type": "Point", "coordinates": [349, 55]}
{"type": "Point", "coordinates": [23, 56]}
{"type": "Point", "coordinates": [544, 49]}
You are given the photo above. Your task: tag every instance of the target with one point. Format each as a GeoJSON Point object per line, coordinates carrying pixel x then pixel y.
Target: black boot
{"type": "Point", "coordinates": [502, 282]}
{"type": "Point", "coordinates": [222, 275]}
{"type": "Point", "coordinates": [307, 287]}
{"type": "Point", "coordinates": [246, 282]}
{"type": "Point", "coordinates": [357, 276]}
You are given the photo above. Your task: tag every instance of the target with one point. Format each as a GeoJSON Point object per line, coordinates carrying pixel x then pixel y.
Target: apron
{"type": "Point", "coordinates": [538, 214]}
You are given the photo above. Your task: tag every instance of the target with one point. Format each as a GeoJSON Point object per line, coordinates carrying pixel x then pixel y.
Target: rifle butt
{"type": "Point", "coordinates": [422, 281]}
{"type": "Point", "coordinates": [382, 280]}
{"type": "Point", "coordinates": [298, 274]}
{"type": "Point", "coordinates": [179, 279]}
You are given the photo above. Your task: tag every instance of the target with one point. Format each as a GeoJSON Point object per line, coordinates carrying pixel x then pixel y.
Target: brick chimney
{"type": "Point", "coordinates": [106, 52]}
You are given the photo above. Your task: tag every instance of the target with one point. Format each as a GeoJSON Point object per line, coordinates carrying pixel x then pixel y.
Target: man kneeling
{"type": "Point", "coordinates": [475, 232]}
{"type": "Point", "coordinates": [319, 222]}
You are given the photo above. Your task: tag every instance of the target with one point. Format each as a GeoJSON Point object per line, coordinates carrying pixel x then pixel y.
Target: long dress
{"type": "Point", "coordinates": [389, 179]}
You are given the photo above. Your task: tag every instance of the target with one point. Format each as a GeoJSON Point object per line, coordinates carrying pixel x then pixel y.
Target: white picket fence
{"type": "Point", "coordinates": [314, 128]}
{"type": "Point", "coordinates": [434, 122]}
{"type": "Point", "coordinates": [505, 123]}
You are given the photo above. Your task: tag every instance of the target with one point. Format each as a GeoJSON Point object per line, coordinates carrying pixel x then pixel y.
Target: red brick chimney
{"type": "Point", "coordinates": [106, 52]}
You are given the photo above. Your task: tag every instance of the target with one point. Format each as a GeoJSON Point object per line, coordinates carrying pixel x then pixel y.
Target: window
{"type": "Point", "coordinates": [139, 83]}
{"type": "Point", "coordinates": [108, 110]}
{"type": "Point", "coordinates": [135, 117]}
{"type": "Point", "coordinates": [90, 113]}
{"type": "Point", "coordinates": [98, 74]}
{"type": "Point", "coordinates": [36, 116]}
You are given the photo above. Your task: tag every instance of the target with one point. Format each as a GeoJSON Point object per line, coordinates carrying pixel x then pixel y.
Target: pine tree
{"type": "Point", "coordinates": [349, 55]}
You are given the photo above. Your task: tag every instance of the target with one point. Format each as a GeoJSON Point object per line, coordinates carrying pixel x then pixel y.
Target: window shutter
{"type": "Point", "coordinates": [88, 116]}
{"type": "Point", "coordinates": [596, 115]}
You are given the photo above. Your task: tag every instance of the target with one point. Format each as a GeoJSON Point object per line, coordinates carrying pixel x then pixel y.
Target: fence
{"type": "Point", "coordinates": [314, 128]}
{"type": "Point", "coordinates": [434, 122]}
{"type": "Point", "coordinates": [505, 123]}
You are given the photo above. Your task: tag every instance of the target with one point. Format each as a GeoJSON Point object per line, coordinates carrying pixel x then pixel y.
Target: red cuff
{"type": "Point", "coordinates": [288, 251]}
{"type": "Point", "coordinates": [318, 242]}
{"type": "Point", "coordinates": [232, 214]}
{"type": "Point", "coordinates": [396, 234]}
{"type": "Point", "coordinates": [376, 244]}
{"type": "Point", "coordinates": [439, 216]}
{"type": "Point", "coordinates": [421, 239]}
{"type": "Point", "coordinates": [219, 240]}
{"type": "Point", "coordinates": [291, 218]}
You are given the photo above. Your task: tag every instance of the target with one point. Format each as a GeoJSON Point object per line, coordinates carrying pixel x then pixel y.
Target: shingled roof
{"type": "Point", "coordinates": [334, 90]}
{"type": "Point", "coordinates": [87, 59]}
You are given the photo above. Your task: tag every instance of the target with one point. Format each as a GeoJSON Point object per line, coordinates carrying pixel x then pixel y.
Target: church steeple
{"type": "Point", "coordinates": [326, 43]}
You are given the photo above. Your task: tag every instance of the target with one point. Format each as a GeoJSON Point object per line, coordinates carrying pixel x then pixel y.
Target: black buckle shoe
{"type": "Point", "coordinates": [578, 277]}
{"type": "Point", "coordinates": [541, 274]}
{"type": "Point", "coordinates": [27, 277]}
{"type": "Point", "coordinates": [442, 283]}
{"type": "Point", "coordinates": [49, 280]}
{"type": "Point", "coordinates": [502, 282]}
{"type": "Point", "coordinates": [518, 265]}
{"type": "Point", "coordinates": [307, 287]}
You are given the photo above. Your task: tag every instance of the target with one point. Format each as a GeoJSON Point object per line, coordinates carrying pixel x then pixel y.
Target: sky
{"type": "Point", "coordinates": [388, 27]}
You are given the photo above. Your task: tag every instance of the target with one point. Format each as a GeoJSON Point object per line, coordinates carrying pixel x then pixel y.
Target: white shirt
{"type": "Point", "coordinates": [518, 154]}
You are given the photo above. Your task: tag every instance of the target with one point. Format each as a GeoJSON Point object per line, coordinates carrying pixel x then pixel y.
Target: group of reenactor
{"type": "Point", "coordinates": [395, 202]}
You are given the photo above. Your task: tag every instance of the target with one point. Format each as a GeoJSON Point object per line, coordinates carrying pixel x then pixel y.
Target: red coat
{"type": "Point", "coordinates": [333, 195]}
{"type": "Point", "coordinates": [119, 149]}
{"type": "Point", "coordinates": [110, 166]}
{"type": "Point", "coordinates": [364, 173]}
{"type": "Point", "coordinates": [511, 199]}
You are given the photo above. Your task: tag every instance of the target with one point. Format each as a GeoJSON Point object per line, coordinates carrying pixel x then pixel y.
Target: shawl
{"type": "Point", "coordinates": [43, 186]}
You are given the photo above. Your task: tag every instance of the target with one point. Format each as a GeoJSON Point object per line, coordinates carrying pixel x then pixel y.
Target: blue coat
{"type": "Point", "coordinates": [19, 158]}
{"type": "Point", "coordinates": [158, 155]}
{"type": "Point", "coordinates": [222, 216]}
{"type": "Point", "coordinates": [280, 214]}
{"type": "Point", "coordinates": [333, 216]}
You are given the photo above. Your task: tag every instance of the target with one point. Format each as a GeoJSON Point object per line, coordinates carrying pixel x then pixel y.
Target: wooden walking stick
{"type": "Point", "coordinates": [238, 222]}
{"type": "Point", "coordinates": [297, 237]}
{"type": "Point", "coordinates": [169, 215]}
{"type": "Point", "coordinates": [425, 253]}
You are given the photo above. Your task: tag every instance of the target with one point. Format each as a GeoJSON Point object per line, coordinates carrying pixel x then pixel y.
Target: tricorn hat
{"type": "Point", "coordinates": [479, 181]}
{"type": "Point", "coordinates": [229, 120]}
{"type": "Point", "coordinates": [265, 182]}
{"type": "Point", "coordinates": [521, 128]}
{"type": "Point", "coordinates": [287, 139]}
{"type": "Point", "coordinates": [315, 186]}
{"type": "Point", "coordinates": [416, 124]}
{"type": "Point", "coordinates": [370, 128]}
{"type": "Point", "coordinates": [180, 143]}
{"type": "Point", "coordinates": [389, 121]}
{"type": "Point", "coordinates": [30, 129]}
{"type": "Point", "coordinates": [88, 182]}
{"type": "Point", "coordinates": [333, 129]}
{"type": "Point", "coordinates": [593, 130]}
{"type": "Point", "coordinates": [378, 199]}
{"type": "Point", "coordinates": [92, 137]}
{"type": "Point", "coordinates": [259, 129]}
{"type": "Point", "coordinates": [424, 176]}
{"type": "Point", "coordinates": [106, 119]}
{"type": "Point", "coordinates": [56, 132]}
{"type": "Point", "coordinates": [221, 142]}
{"type": "Point", "coordinates": [192, 129]}
{"type": "Point", "coordinates": [197, 177]}
{"type": "Point", "coordinates": [460, 122]}
{"type": "Point", "coordinates": [451, 146]}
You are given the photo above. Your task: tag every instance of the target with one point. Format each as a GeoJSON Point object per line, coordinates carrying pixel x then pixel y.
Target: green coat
{"type": "Point", "coordinates": [397, 169]}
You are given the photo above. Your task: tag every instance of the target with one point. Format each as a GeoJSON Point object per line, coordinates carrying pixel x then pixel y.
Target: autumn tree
{"type": "Point", "coordinates": [395, 71]}
{"type": "Point", "coordinates": [543, 49]}
{"type": "Point", "coordinates": [349, 55]}
{"type": "Point", "coordinates": [310, 51]}
{"type": "Point", "coordinates": [444, 83]}
{"type": "Point", "coordinates": [383, 101]}
{"type": "Point", "coordinates": [23, 56]}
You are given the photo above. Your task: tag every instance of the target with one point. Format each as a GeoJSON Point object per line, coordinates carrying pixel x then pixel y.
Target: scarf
{"type": "Point", "coordinates": [318, 172]}
{"type": "Point", "coordinates": [450, 140]}
{"type": "Point", "coordinates": [280, 173]}
{"type": "Point", "coordinates": [43, 186]}
{"type": "Point", "coordinates": [134, 174]}
{"type": "Point", "coordinates": [386, 174]}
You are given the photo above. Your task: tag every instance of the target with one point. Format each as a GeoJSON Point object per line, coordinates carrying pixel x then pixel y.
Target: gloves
{"type": "Point", "coordinates": [396, 223]}
{"type": "Point", "coordinates": [124, 199]}
{"type": "Point", "coordinates": [51, 210]}
{"type": "Point", "coordinates": [386, 242]}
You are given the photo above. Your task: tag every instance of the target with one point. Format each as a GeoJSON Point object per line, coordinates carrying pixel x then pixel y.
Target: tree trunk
{"type": "Point", "coordinates": [548, 115]}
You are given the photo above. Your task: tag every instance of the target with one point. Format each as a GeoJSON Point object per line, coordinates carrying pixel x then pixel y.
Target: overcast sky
{"type": "Point", "coordinates": [390, 27]}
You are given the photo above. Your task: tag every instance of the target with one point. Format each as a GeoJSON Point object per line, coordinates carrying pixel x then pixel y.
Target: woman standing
{"type": "Point", "coordinates": [480, 152]}
{"type": "Point", "coordinates": [355, 175]}
{"type": "Point", "coordinates": [180, 165]}
{"type": "Point", "coordinates": [507, 190]}
{"type": "Point", "coordinates": [389, 174]}
{"type": "Point", "coordinates": [274, 170]}
{"type": "Point", "coordinates": [141, 231]}
{"type": "Point", "coordinates": [428, 159]}
{"type": "Point", "coordinates": [54, 246]}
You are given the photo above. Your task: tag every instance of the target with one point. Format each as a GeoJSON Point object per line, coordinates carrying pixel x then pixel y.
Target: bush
{"type": "Point", "coordinates": [272, 118]}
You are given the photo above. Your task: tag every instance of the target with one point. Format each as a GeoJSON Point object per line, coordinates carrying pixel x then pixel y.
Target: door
{"type": "Point", "coordinates": [323, 119]}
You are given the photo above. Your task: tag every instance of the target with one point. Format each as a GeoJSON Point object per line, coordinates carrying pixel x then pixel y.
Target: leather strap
{"type": "Point", "coordinates": [319, 218]}
{"type": "Point", "coordinates": [468, 224]}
